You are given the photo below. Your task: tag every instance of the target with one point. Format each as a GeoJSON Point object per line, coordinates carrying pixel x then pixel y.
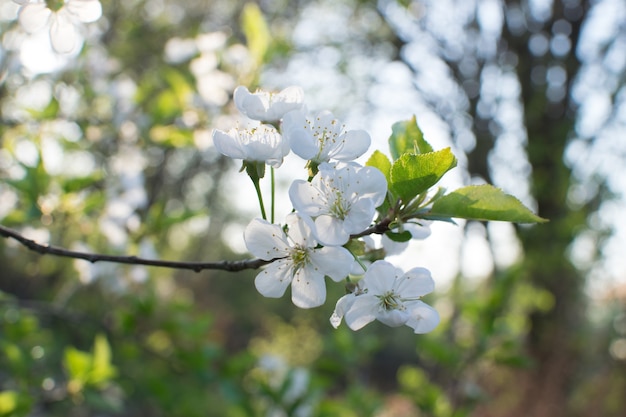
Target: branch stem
{"type": "Point", "coordinates": [230, 266]}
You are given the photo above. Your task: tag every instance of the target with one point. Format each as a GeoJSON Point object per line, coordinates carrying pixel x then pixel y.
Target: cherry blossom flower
{"type": "Point", "coordinates": [62, 22]}
{"type": "Point", "coordinates": [266, 106]}
{"type": "Point", "coordinates": [323, 138]}
{"type": "Point", "coordinates": [340, 201]}
{"type": "Point", "coordinates": [261, 144]}
{"type": "Point", "coordinates": [390, 296]}
{"type": "Point", "coordinates": [298, 261]}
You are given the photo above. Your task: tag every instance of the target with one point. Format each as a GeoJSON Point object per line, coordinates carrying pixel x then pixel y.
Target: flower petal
{"type": "Point", "coordinates": [274, 279]}
{"type": "Point", "coordinates": [303, 143]}
{"type": "Point", "coordinates": [333, 261]}
{"type": "Point", "coordinates": [353, 144]}
{"type": "Point", "coordinates": [343, 305]}
{"type": "Point", "coordinates": [252, 105]}
{"type": "Point", "coordinates": [393, 318]}
{"type": "Point", "coordinates": [227, 145]}
{"type": "Point", "coordinates": [380, 277]}
{"type": "Point", "coordinates": [85, 10]}
{"type": "Point", "coordinates": [308, 288]}
{"type": "Point", "coordinates": [34, 16]}
{"type": "Point", "coordinates": [416, 283]}
{"type": "Point", "coordinates": [265, 240]}
{"type": "Point", "coordinates": [423, 318]}
{"type": "Point", "coordinates": [362, 311]}
{"type": "Point", "coordinates": [370, 183]}
{"type": "Point", "coordinates": [289, 99]}
{"type": "Point", "coordinates": [306, 198]}
{"type": "Point", "coordinates": [63, 33]}
{"type": "Point", "coordinates": [330, 230]}
{"type": "Point", "coordinates": [299, 231]}
{"type": "Point", "coordinates": [360, 216]}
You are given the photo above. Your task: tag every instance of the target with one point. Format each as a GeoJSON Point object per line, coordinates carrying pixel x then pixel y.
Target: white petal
{"type": "Point", "coordinates": [343, 305]}
{"type": "Point", "coordinates": [417, 282]}
{"type": "Point", "coordinates": [265, 240]}
{"type": "Point", "coordinates": [299, 231]}
{"type": "Point", "coordinates": [306, 198]}
{"type": "Point", "coordinates": [308, 288]}
{"type": "Point", "coordinates": [424, 318]}
{"type": "Point", "coordinates": [393, 318]}
{"type": "Point", "coordinates": [252, 105]}
{"type": "Point", "coordinates": [360, 216]}
{"type": "Point", "coordinates": [303, 143]}
{"type": "Point", "coordinates": [63, 34]}
{"type": "Point", "coordinates": [85, 10]}
{"type": "Point", "coordinates": [362, 311]}
{"type": "Point", "coordinates": [325, 121]}
{"type": "Point", "coordinates": [228, 145]}
{"type": "Point", "coordinates": [333, 261]}
{"type": "Point", "coordinates": [354, 143]}
{"type": "Point", "coordinates": [34, 16]}
{"type": "Point", "coordinates": [239, 97]}
{"type": "Point", "coordinates": [380, 277]}
{"type": "Point", "coordinates": [370, 183]}
{"type": "Point", "coordinates": [274, 279]}
{"type": "Point", "coordinates": [295, 119]}
{"type": "Point", "coordinates": [291, 98]}
{"type": "Point", "coordinates": [330, 230]}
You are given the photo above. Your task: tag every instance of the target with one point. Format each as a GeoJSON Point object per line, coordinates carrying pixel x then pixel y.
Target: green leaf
{"type": "Point", "coordinates": [102, 370]}
{"type": "Point", "coordinates": [406, 137]}
{"type": "Point", "coordinates": [171, 135]}
{"type": "Point", "coordinates": [257, 33]}
{"type": "Point", "coordinates": [404, 236]}
{"type": "Point", "coordinates": [77, 364]}
{"type": "Point", "coordinates": [380, 161]}
{"type": "Point", "coordinates": [483, 202]}
{"type": "Point", "coordinates": [8, 402]}
{"type": "Point", "coordinates": [413, 174]}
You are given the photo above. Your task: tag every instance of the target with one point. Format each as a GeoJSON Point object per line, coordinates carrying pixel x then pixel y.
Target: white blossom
{"type": "Point", "coordinates": [390, 296]}
{"type": "Point", "coordinates": [298, 261]}
{"type": "Point", "coordinates": [340, 201]}
{"type": "Point", "coordinates": [323, 138]}
{"type": "Point", "coordinates": [266, 106]}
{"type": "Point", "coordinates": [62, 23]}
{"type": "Point", "coordinates": [262, 144]}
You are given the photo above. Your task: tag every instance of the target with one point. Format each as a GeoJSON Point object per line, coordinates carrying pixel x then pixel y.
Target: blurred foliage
{"type": "Point", "coordinates": [111, 153]}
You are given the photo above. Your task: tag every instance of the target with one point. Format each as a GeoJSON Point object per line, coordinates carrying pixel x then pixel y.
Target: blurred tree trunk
{"type": "Point", "coordinates": [554, 335]}
{"type": "Point", "coordinates": [554, 339]}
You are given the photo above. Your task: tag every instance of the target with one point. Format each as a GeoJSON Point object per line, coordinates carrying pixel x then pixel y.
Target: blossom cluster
{"type": "Point", "coordinates": [333, 208]}
{"type": "Point", "coordinates": [61, 18]}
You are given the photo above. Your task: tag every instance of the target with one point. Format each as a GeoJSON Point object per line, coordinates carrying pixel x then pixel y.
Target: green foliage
{"type": "Point", "coordinates": [407, 137]}
{"type": "Point", "coordinates": [89, 369]}
{"type": "Point", "coordinates": [413, 174]}
{"type": "Point", "coordinates": [483, 202]}
{"type": "Point", "coordinates": [257, 32]}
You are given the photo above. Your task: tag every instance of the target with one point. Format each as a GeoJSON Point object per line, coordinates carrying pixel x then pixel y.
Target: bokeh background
{"type": "Point", "coordinates": [108, 150]}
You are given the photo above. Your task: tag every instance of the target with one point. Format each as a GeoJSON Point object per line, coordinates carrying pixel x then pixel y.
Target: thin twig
{"type": "Point", "coordinates": [230, 266]}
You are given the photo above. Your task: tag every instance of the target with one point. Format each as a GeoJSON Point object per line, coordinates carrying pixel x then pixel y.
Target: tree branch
{"type": "Point", "coordinates": [230, 266]}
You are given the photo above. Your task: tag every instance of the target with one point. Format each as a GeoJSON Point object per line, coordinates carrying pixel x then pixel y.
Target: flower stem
{"type": "Point", "coordinates": [273, 196]}
{"type": "Point", "coordinates": [256, 171]}
{"type": "Point", "coordinates": [257, 187]}
{"type": "Point", "coordinates": [358, 260]}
